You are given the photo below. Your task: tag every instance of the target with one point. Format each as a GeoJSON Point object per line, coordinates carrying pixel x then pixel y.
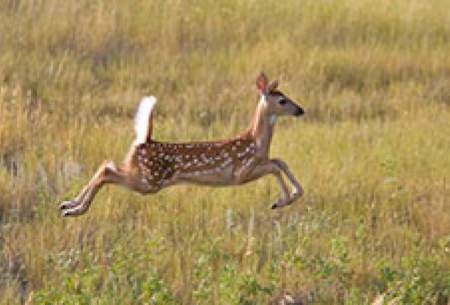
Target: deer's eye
{"type": "Point", "coordinates": [282, 101]}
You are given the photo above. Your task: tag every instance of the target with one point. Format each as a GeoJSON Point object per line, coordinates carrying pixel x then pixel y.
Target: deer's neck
{"type": "Point", "coordinates": [262, 127]}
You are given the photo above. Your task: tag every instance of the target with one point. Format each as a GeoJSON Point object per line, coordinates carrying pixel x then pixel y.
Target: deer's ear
{"type": "Point", "coordinates": [261, 82]}
{"type": "Point", "coordinates": [272, 85]}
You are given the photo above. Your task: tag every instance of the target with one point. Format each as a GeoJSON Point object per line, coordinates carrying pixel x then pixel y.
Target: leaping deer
{"type": "Point", "coordinates": [151, 165]}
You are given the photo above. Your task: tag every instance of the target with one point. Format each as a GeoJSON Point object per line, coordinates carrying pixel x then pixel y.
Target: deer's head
{"type": "Point", "coordinates": [274, 101]}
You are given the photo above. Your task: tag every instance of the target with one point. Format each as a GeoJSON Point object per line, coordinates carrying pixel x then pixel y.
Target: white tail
{"type": "Point", "coordinates": [153, 165]}
{"type": "Point", "coordinates": [142, 119]}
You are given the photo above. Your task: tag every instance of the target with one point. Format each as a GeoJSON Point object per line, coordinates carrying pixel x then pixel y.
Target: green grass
{"type": "Point", "coordinates": [372, 152]}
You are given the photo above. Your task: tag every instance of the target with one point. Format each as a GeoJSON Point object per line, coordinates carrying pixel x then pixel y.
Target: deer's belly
{"type": "Point", "coordinates": [220, 176]}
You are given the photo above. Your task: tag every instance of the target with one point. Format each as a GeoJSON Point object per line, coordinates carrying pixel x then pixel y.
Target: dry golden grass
{"type": "Point", "coordinates": [372, 151]}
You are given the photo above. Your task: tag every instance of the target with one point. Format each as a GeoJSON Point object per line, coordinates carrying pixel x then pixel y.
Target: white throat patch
{"type": "Point", "coordinates": [273, 119]}
{"type": "Point", "coordinates": [263, 102]}
{"type": "Point", "coordinates": [263, 99]}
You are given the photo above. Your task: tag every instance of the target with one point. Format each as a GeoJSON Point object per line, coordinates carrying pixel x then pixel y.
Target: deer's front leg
{"type": "Point", "coordinates": [254, 172]}
{"type": "Point", "coordinates": [298, 192]}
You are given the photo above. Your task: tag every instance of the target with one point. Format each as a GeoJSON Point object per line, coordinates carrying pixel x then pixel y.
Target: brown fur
{"type": "Point", "coordinates": [153, 165]}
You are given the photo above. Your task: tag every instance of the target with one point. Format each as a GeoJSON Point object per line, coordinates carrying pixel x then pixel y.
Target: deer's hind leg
{"type": "Point", "coordinates": [106, 173]}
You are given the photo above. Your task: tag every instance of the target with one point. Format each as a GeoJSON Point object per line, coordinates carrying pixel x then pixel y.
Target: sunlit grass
{"type": "Point", "coordinates": [372, 152]}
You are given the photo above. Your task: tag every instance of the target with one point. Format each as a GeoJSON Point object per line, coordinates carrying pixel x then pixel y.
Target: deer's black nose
{"type": "Point", "coordinates": [299, 111]}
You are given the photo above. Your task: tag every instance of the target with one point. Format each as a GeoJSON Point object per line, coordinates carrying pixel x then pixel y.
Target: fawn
{"type": "Point", "coordinates": [151, 165]}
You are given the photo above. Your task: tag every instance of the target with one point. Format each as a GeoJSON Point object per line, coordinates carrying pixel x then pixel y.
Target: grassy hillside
{"type": "Point", "coordinates": [373, 151]}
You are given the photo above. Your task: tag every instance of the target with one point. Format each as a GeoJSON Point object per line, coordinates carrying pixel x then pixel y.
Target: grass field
{"type": "Point", "coordinates": [372, 152]}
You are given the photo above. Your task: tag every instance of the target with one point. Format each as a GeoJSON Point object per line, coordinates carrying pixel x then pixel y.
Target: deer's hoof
{"type": "Point", "coordinates": [280, 203]}
{"type": "Point", "coordinates": [68, 204]}
{"type": "Point", "coordinates": [71, 212]}
{"type": "Point", "coordinates": [68, 213]}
